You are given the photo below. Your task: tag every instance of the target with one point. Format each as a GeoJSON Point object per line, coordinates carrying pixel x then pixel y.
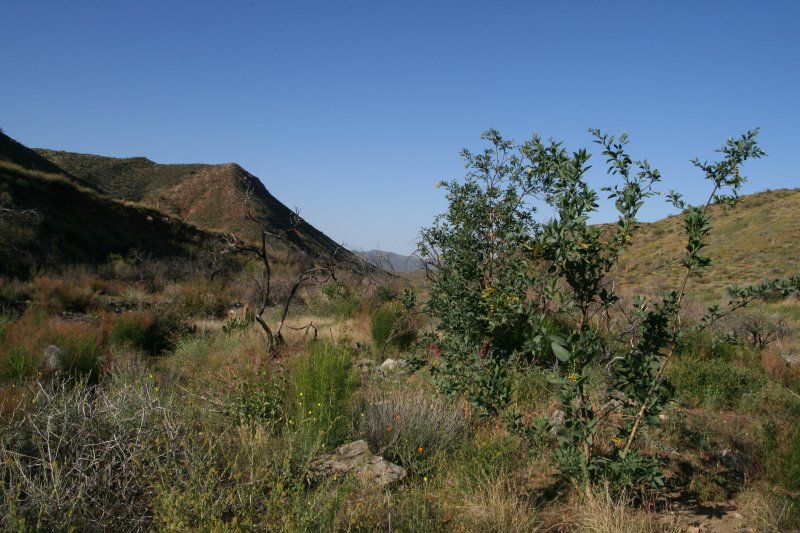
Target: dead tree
{"type": "Point", "coordinates": [261, 250]}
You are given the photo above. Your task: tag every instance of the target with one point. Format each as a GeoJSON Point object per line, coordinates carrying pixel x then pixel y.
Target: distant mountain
{"type": "Point", "coordinates": [208, 196]}
{"type": "Point", "coordinates": [392, 262]}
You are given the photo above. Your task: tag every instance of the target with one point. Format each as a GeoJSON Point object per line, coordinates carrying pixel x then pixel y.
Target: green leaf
{"type": "Point", "coordinates": [561, 353]}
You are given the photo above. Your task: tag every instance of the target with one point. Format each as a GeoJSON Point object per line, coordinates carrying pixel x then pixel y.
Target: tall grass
{"type": "Point", "coordinates": [713, 383]}
{"type": "Point", "coordinates": [320, 386]}
{"type": "Point", "coordinates": [80, 347]}
{"type": "Point", "coordinates": [603, 513]}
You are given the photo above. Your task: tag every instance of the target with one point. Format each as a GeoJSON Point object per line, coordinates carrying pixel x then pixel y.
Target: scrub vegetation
{"type": "Point", "coordinates": [545, 374]}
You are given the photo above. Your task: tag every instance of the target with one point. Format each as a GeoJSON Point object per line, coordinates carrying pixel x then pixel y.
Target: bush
{"type": "Point", "coordinates": [714, 383]}
{"type": "Point", "coordinates": [261, 402]}
{"type": "Point", "coordinates": [338, 301]}
{"type": "Point", "coordinates": [62, 295]}
{"type": "Point", "coordinates": [81, 349]}
{"type": "Point", "coordinates": [21, 344]}
{"type": "Point", "coordinates": [412, 427]}
{"type": "Point", "coordinates": [142, 331]}
{"type": "Point", "coordinates": [82, 456]}
{"type": "Point", "coordinates": [782, 455]}
{"type": "Point", "coordinates": [201, 298]}
{"type": "Point", "coordinates": [383, 321]}
{"type": "Point", "coordinates": [391, 327]}
{"type": "Point", "coordinates": [320, 385]}
{"type": "Point", "coordinates": [704, 345]}
{"type": "Point", "coordinates": [19, 364]}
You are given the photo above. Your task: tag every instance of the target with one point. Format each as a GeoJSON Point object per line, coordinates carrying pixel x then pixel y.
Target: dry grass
{"type": "Point", "coordinates": [602, 513]}
{"type": "Point", "coordinates": [768, 511]}
{"type": "Point", "coordinates": [412, 426]}
{"type": "Point", "coordinates": [750, 243]}
{"type": "Point", "coordinates": [355, 329]}
{"type": "Point", "coordinates": [494, 505]}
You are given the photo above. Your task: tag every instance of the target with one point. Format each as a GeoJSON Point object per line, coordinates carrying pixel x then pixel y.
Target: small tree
{"type": "Point", "coordinates": [263, 281]}
{"type": "Point", "coordinates": [505, 287]}
{"type": "Point", "coordinates": [474, 254]}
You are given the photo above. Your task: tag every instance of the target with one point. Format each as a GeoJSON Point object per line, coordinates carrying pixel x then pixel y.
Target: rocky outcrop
{"type": "Point", "coordinates": [356, 459]}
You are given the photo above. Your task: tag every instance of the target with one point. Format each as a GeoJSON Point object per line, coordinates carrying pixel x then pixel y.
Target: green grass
{"type": "Point", "coordinates": [713, 383]}
{"type": "Point", "coordinates": [320, 385]}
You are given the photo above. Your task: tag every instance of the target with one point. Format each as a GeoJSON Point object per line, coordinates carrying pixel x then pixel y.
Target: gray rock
{"type": "Point", "coordinates": [610, 406]}
{"type": "Point", "coordinates": [51, 358]}
{"type": "Point", "coordinates": [556, 421]}
{"type": "Point", "coordinates": [355, 457]}
{"type": "Point", "coordinates": [392, 365]}
{"type": "Point", "coordinates": [380, 473]}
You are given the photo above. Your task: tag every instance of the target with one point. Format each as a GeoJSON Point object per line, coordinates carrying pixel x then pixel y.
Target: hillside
{"type": "Point", "coordinates": [47, 220]}
{"type": "Point", "coordinates": [19, 154]}
{"type": "Point", "coordinates": [755, 241]}
{"type": "Point", "coordinates": [208, 196]}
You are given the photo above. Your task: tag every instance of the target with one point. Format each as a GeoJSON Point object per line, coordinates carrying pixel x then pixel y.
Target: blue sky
{"type": "Point", "coordinates": [353, 111]}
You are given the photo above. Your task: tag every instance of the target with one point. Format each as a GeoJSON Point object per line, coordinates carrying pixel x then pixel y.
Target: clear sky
{"type": "Point", "coordinates": [353, 111]}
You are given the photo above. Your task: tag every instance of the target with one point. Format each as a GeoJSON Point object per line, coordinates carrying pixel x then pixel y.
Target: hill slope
{"type": "Point", "coordinates": [208, 196]}
{"type": "Point", "coordinates": [19, 154]}
{"type": "Point", "coordinates": [757, 240]}
{"type": "Point", "coordinates": [45, 219]}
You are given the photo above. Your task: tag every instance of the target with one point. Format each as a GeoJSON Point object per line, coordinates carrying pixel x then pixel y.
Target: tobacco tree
{"type": "Point", "coordinates": [507, 288]}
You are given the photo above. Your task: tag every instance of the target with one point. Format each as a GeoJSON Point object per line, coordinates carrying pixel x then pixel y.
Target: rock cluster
{"type": "Point", "coordinates": [355, 458]}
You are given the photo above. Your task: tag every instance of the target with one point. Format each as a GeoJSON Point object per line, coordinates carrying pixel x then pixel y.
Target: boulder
{"type": "Point", "coordinates": [51, 358]}
{"type": "Point", "coordinates": [392, 365]}
{"type": "Point", "coordinates": [556, 421]}
{"type": "Point", "coordinates": [354, 457]}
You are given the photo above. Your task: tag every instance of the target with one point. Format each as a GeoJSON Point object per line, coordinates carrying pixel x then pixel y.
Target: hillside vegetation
{"type": "Point", "coordinates": [527, 384]}
{"type": "Point", "coordinates": [49, 222]}
{"type": "Point", "coordinates": [756, 241]}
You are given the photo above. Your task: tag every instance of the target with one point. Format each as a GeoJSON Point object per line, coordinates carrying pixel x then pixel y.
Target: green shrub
{"type": "Point", "coordinates": [390, 326]}
{"type": "Point", "coordinates": [704, 345]}
{"type": "Point", "coordinates": [384, 294]}
{"type": "Point", "coordinates": [260, 402]}
{"type": "Point", "coordinates": [530, 386]}
{"type": "Point", "coordinates": [337, 301]}
{"type": "Point", "coordinates": [239, 322]}
{"type": "Point", "coordinates": [412, 427]}
{"type": "Point", "coordinates": [320, 385]}
{"type": "Point", "coordinates": [782, 455]}
{"type": "Point", "coordinates": [383, 322]}
{"type": "Point", "coordinates": [201, 298]}
{"type": "Point", "coordinates": [81, 353]}
{"type": "Point", "coordinates": [714, 383]}
{"type": "Point", "coordinates": [19, 364]}
{"type": "Point", "coordinates": [138, 330]}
